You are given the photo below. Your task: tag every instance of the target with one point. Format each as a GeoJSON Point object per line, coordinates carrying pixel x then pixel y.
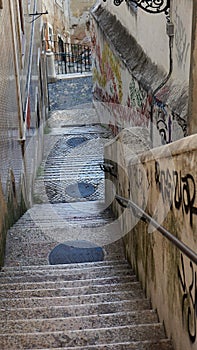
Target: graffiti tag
{"type": "Point", "coordinates": [189, 299]}
{"type": "Point", "coordinates": [177, 189]}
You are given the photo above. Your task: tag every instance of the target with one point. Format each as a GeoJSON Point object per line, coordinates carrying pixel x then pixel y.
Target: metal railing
{"type": "Point", "coordinates": [69, 58]}
{"type": "Point", "coordinates": [142, 215]}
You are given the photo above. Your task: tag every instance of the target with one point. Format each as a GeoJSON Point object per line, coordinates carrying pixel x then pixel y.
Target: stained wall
{"type": "Point", "coordinates": [23, 110]}
{"type": "Point", "coordinates": [162, 182]}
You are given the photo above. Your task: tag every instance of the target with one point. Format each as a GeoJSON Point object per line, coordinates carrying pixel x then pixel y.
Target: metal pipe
{"type": "Point", "coordinates": [144, 216]}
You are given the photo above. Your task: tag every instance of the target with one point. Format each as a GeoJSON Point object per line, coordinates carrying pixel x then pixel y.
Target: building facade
{"type": "Point", "coordinates": [67, 20]}
{"type": "Point", "coordinates": [55, 22]}
{"type": "Point", "coordinates": [23, 93]}
{"type": "Point", "coordinates": [79, 21]}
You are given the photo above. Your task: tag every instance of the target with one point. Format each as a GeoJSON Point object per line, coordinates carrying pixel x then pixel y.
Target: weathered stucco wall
{"type": "Point", "coordinates": [193, 76]}
{"type": "Point", "coordinates": [23, 111]}
{"type": "Point", "coordinates": [163, 182]}
{"type": "Point", "coordinates": [124, 79]}
{"type": "Point", "coordinates": [79, 20]}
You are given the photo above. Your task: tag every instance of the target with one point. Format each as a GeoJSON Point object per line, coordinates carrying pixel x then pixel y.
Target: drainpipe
{"type": "Point", "coordinates": [17, 74]}
{"type": "Point", "coordinates": [28, 81]}
{"type": "Point", "coordinates": [170, 33]}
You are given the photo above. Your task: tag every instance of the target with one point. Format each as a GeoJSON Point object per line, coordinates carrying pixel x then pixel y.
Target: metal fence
{"type": "Point", "coordinates": [70, 58]}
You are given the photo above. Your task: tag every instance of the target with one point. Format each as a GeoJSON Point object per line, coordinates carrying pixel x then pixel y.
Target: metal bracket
{"type": "Point", "coordinates": [108, 168]}
{"type": "Point", "coordinates": [150, 6]}
{"type": "Point", "coordinates": [38, 13]}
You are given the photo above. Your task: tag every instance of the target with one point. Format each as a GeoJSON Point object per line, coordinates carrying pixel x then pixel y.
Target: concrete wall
{"type": "Point", "coordinates": [131, 60]}
{"type": "Point", "coordinates": [23, 110]}
{"type": "Point", "coordinates": [150, 33]}
{"type": "Point", "coordinates": [193, 76]}
{"type": "Point", "coordinates": [163, 182]}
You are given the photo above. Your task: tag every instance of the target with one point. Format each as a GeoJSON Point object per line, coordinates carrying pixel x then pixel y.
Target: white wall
{"type": "Point", "coordinates": [150, 32]}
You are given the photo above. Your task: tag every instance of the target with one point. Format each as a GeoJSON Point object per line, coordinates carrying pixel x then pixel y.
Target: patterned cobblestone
{"type": "Point", "coordinates": [58, 214]}
{"type": "Point", "coordinates": [70, 93]}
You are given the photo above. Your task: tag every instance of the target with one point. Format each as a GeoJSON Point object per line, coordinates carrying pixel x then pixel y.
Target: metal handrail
{"type": "Point", "coordinates": [145, 217]}
{"type": "Point", "coordinates": [108, 168]}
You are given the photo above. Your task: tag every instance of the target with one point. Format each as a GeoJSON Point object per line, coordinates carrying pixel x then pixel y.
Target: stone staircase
{"type": "Point", "coordinates": [80, 306]}
{"type": "Point", "coordinates": [93, 305]}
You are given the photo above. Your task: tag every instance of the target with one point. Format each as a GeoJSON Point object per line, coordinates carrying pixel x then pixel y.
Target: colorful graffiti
{"type": "Point", "coordinates": [107, 74]}
{"type": "Point", "coordinates": [139, 101]}
{"type": "Point", "coordinates": [128, 102]}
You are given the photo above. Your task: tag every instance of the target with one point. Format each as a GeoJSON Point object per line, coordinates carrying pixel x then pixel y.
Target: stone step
{"type": "Point", "coordinates": [75, 266]}
{"type": "Point", "coordinates": [134, 288]}
{"type": "Point", "coordinates": [79, 322]}
{"type": "Point", "coordinates": [98, 308]}
{"type": "Point", "coordinates": [29, 253]}
{"type": "Point", "coordinates": [63, 212]}
{"type": "Point", "coordinates": [66, 338]}
{"type": "Point", "coordinates": [163, 344]}
{"type": "Point", "coordinates": [26, 261]}
{"type": "Point", "coordinates": [65, 275]}
{"type": "Point", "coordinates": [66, 300]}
{"type": "Point", "coordinates": [67, 284]}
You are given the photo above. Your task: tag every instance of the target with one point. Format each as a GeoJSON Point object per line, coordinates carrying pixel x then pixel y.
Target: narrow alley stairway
{"type": "Point", "coordinates": [47, 299]}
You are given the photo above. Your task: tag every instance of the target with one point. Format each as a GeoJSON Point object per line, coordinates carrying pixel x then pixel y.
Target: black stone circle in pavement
{"type": "Point", "coordinates": [80, 190]}
{"type": "Point", "coordinates": [76, 141]}
{"type": "Point", "coordinates": [75, 252]}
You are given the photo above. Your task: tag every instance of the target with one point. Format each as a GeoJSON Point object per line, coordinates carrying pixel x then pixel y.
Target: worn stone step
{"type": "Point", "coordinates": [163, 344]}
{"type": "Point", "coordinates": [65, 338]}
{"type": "Point", "coordinates": [79, 322]}
{"type": "Point", "coordinates": [66, 300]}
{"type": "Point", "coordinates": [98, 308]}
{"type": "Point", "coordinates": [55, 275]}
{"type": "Point", "coordinates": [26, 261]}
{"type": "Point", "coordinates": [60, 283]}
{"type": "Point", "coordinates": [134, 288]}
{"type": "Point", "coordinates": [75, 266]}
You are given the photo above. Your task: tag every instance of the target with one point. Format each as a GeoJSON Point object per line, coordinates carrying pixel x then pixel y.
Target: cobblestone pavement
{"type": "Point", "coordinates": [70, 93]}
{"type": "Point", "coordinates": [69, 190]}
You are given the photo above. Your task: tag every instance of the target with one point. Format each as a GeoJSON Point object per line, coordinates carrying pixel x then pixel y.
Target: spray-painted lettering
{"type": "Point", "coordinates": [189, 299]}
{"type": "Point", "coordinates": [178, 190]}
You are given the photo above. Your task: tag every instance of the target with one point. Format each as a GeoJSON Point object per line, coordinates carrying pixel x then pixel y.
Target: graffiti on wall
{"type": "Point", "coordinates": [139, 101]}
{"type": "Point", "coordinates": [189, 299]}
{"type": "Point", "coordinates": [165, 121]}
{"type": "Point", "coordinates": [108, 88]}
{"type": "Point", "coordinates": [107, 74]}
{"type": "Point", "coordinates": [181, 40]}
{"type": "Point", "coordinates": [177, 190]}
{"type": "Point", "coordinates": [128, 102]}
